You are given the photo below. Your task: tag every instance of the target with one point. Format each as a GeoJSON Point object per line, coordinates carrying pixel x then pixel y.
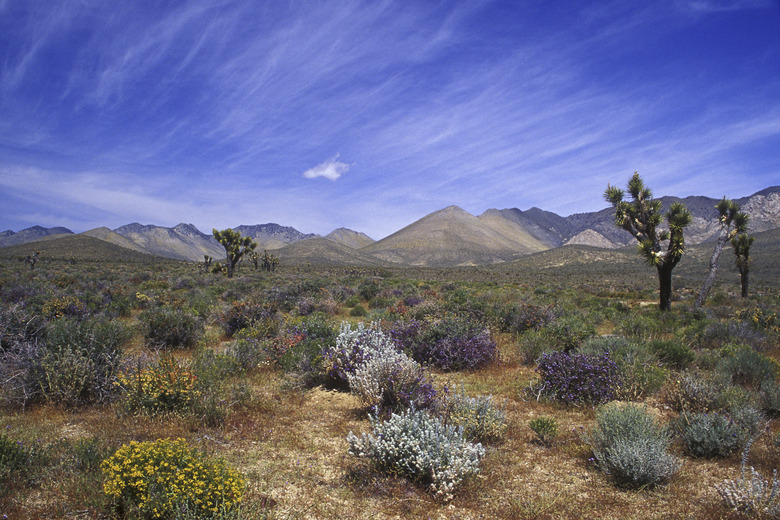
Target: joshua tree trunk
{"type": "Point", "coordinates": [743, 277]}
{"type": "Point", "coordinates": [665, 286]}
{"type": "Point", "coordinates": [710, 280]}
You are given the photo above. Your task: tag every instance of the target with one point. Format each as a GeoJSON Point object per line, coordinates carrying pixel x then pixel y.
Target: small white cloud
{"type": "Point", "coordinates": [331, 169]}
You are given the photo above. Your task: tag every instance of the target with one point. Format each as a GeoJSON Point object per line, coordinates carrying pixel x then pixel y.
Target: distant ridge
{"type": "Point", "coordinates": [31, 234]}
{"type": "Point", "coordinates": [349, 238]}
{"type": "Point", "coordinates": [79, 247]}
{"type": "Point", "coordinates": [272, 236]}
{"type": "Point", "coordinates": [448, 237]}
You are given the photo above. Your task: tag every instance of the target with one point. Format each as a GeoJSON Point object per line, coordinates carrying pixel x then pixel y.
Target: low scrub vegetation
{"type": "Point", "coordinates": [133, 391]}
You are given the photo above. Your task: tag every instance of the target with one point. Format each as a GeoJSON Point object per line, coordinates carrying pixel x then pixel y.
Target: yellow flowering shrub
{"type": "Point", "coordinates": [63, 306]}
{"type": "Point", "coordinates": [761, 319]}
{"type": "Point", "coordinates": [158, 478]}
{"type": "Point", "coordinates": [161, 387]}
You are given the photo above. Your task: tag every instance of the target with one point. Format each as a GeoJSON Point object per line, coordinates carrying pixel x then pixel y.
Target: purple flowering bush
{"type": "Point", "coordinates": [449, 344]}
{"type": "Point", "coordinates": [577, 378]}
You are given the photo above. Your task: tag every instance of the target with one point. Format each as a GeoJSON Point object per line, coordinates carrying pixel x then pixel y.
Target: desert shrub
{"type": "Point", "coordinates": [64, 306]}
{"type": "Point", "coordinates": [640, 327]}
{"type": "Point", "coordinates": [380, 302]}
{"type": "Point", "coordinates": [421, 447]}
{"type": "Point", "coordinates": [98, 333]}
{"type": "Point", "coordinates": [449, 344]}
{"type": "Point", "coordinates": [709, 435]}
{"type": "Point", "coordinates": [480, 419]}
{"type": "Point", "coordinates": [390, 380]}
{"type": "Point", "coordinates": [691, 392]}
{"type": "Point", "coordinates": [351, 349]}
{"type": "Point", "coordinates": [715, 335]}
{"type": "Point", "coordinates": [569, 331]}
{"type": "Point", "coordinates": [216, 389]}
{"type": "Point", "coordinates": [168, 327]}
{"type": "Point", "coordinates": [76, 364]}
{"type": "Point", "coordinates": [162, 478]}
{"type": "Point", "coordinates": [545, 428]}
{"type": "Point", "coordinates": [520, 317]}
{"type": "Point", "coordinates": [428, 309]}
{"type": "Point", "coordinates": [751, 492]}
{"type": "Point", "coordinates": [163, 386]}
{"type": "Point", "coordinates": [532, 344]}
{"type": "Point", "coordinates": [631, 446]}
{"type": "Point", "coordinates": [748, 418]}
{"type": "Point", "coordinates": [368, 289]}
{"type": "Point", "coordinates": [19, 325]}
{"type": "Point", "coordinates": [761, 319]}
{"type": "Point", "coordinates": [673, 353]}
{"type": "Point", "coordinates": [261, 316]}
{"type": "Point", "coordinates": [305, 357]}
{"type": "Point", "coordinates": [746, 367]}
{"type": "Point", "coordinates": [576, 378]}
{"type": "Point", "coordinates": [351, 301]}
{"type": "Point", "coordinates": [638, 380]}
{"type": "Point", "coordinates": [358, 311]}
{"type": "Point", "coordinates": [21, 463]}
{"type": "Point", "coordinates": [638, 369]}
{"type": "Point", "coordinates": [769, 393]}
{"type": "Point", "coordinates": [21, 373]}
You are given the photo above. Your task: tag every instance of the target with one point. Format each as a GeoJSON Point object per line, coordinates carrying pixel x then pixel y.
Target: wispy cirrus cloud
{"type": "Point", "coordinates": [147, 112]}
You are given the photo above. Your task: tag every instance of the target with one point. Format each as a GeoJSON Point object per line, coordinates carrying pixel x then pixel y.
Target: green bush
{"type": "Point", "coordinates": [421, 447]}
{"type": "Point", "coordinates": [568, 332]}
{"type": "Point", "coordinates": [747, 367]}
{"type": "Point", "coordinates": [709, 435]}
{"type": "Point", "coordinates": [162, 478]}
{"type": "Point", "coordinates": [478, 417]}
{"type": "Point", "coordinates": [171, 327]}
{"type": "Point", "coordinates": [20, 463]}
{"type": "Point", "coordinates": [545, 428]}
{"type": "Point", "coordinates": [673, 353]}
{"type": "Point", "coordinates": [631, 446]}
{"type": "Point", "coordinates": [358, 311]}
{"type": "Point", "coordinates": [533, 343]}
{"type": "Point", "coordinates": [352, 300]}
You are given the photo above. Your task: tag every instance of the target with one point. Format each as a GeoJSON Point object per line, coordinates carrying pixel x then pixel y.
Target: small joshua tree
{"type": "Point", "coordinates": [732, 222]}
{"type": "Point", "coordinates": [741, 244]}
{"type": "Point", "coordinates": [641, 217]}
{"type": "Point", "coordinates": [32, 259]}
{"type": "Point", "coordinates": [235, 246]}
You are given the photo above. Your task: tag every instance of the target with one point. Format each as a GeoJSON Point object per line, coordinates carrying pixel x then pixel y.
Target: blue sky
{"type": "Point", "coordinates": [370, 115]}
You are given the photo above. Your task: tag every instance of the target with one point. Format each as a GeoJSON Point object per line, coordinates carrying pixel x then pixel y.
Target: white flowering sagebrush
{"type": "Point", "coordinates": [353, 347]}
{"type": "Point", "coordinates": [419, 446]}
{"type": "Point", "coordinates": [385, 372]}
{"type": "Point", "coordinates": [751, 492]}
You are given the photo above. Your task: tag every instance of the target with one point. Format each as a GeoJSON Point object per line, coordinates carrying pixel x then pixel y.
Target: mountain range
{"type": "Point", "coordinates": [447, 237]}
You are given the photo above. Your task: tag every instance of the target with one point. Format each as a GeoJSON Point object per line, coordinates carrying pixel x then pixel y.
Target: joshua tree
{"type": "Point", "coordinates": [253, 256]}
{"type": "Point", "coordinates": [269, 261]}
{"type": "Point", "coordinates": [641, 217]}
{"type": "Point", "coordinates": [32, 259]}
{"type": "Point", "coordinates": [741, 244]}
{"type": "Point", "coordinates": [206, 263]}
{"type": "Point", "coordinates": [732, 222]}
{"type": "Point", "coordinates": [235, 246]}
